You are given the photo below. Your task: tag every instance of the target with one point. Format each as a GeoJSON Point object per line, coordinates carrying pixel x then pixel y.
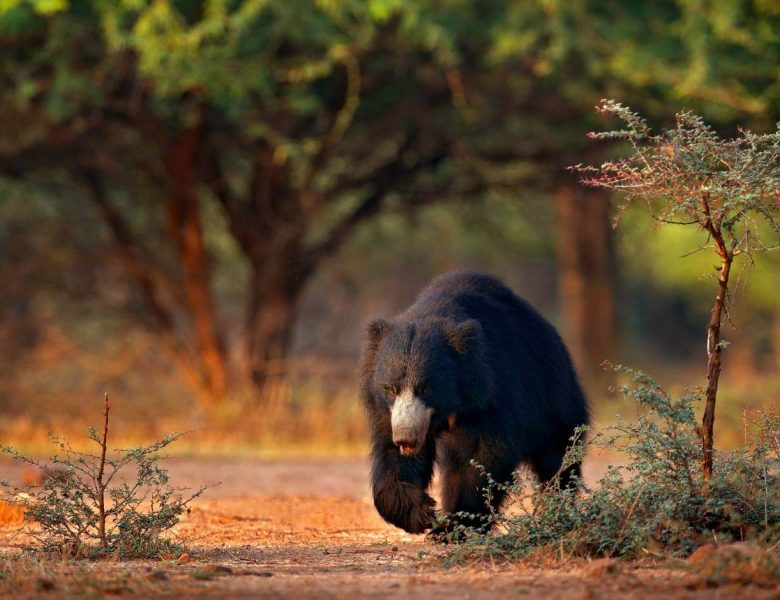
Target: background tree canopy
{"type": "Point", "coordinates": [180, 175]}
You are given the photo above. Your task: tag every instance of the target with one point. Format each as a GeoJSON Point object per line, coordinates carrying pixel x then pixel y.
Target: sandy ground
{"type": "Point", "coordinates": [307, 529]}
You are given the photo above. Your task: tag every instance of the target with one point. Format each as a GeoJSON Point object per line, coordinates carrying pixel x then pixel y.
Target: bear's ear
{"type": "Point", "coordinates": [465, 336]}
{"type": "Point", "coordinates": [377, 330]}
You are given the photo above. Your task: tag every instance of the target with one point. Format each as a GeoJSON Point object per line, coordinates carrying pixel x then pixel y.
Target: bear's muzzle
{"type": "Point", "coordinates": [410, 419]}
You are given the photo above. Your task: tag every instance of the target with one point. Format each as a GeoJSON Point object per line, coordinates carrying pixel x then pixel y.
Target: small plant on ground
{"type": "Point", "coordinates": [688, 175]}
{"type": "Point", "coordinates": [85, 504]}
{"type": "Point", "coordinates": [657, 504]}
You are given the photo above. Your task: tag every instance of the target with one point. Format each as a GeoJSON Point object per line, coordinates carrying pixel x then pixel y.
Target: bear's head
{"type": "Point", "coordinates": [424, 373]}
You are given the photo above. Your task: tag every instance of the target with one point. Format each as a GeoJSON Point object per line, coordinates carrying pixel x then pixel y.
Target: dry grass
{"type": "Point", "coordinates": [59, 386]}
{"type": "Point", "coordinates": [10, 513]}
{"type": "Point", "coordinates": [309, 422]}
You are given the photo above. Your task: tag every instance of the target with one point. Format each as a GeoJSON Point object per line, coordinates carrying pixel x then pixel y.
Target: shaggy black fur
{"type": "Point", "coordinates": [501, 384]}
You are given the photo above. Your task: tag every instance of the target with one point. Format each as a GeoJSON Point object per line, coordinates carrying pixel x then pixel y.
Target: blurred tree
{"type": "Point", "coordinates": [302, 120]}
{"type": "Point", "coordinates": [586, 275]}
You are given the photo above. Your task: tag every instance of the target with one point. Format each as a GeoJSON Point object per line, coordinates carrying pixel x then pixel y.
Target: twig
{"type": "Point", "coordinates": [101, 488]}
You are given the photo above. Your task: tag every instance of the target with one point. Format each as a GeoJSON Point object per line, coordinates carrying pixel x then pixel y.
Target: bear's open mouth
{"type": "Point", "coordinates": [407, 448]}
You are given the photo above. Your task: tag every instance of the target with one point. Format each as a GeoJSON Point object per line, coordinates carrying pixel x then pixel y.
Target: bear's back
{"type": "Point", "coordinates": [525, 352]}
{"type": "Point", "coordinates": [461, 295]}
{"type": "Point", "coordinates": [457, 283]}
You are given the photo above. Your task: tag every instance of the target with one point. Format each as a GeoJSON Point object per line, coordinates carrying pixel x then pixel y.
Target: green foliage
{"type": "Point", "coordinates": [655, 502]}
{"type": "Point", "coordinates": [87, 506]}
{"type": "Point", "coordinates": [690, 175]}
{"type": "Point", "coordinates": [712, 56]}
{"type": "Point", "coordinates": [255, 61]}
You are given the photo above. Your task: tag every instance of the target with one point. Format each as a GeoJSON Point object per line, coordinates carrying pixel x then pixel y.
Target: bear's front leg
{"type": "Point", "coordinates": [399, 485]}
{"type": "Point", "coordinates": [464, 498]}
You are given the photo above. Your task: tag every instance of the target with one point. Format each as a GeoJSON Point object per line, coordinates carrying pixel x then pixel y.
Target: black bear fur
{"type": "Point", "coordinates": [501, 385]}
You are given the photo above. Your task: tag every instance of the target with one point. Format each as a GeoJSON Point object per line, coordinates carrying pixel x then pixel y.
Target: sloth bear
{"type": "Point", "coordinates": [470, 371]}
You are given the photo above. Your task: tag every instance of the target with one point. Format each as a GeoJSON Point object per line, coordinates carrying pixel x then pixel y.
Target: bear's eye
{"type": "Point", "coordinates": [391, 388]}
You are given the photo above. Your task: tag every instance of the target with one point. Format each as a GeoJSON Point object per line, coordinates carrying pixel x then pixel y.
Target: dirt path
{"type": "Point", "coordinates": [307, 529]}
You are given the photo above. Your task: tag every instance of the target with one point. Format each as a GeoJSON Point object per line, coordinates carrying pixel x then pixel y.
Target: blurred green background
{"type": "Point", "coordinates": [201, 202]}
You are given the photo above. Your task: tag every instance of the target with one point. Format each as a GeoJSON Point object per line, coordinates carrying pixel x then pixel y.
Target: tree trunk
{"type": "Point", "coordinates": [714, 349]}
{"type": "Point", "coordinates": [586, 276]}
{"type": "Point", "coordinates": [273, 303]}
{"type": "Point", "coordinates": [714, 346]}
{"type": "Point", "coordinates": [269, 224]}
{"type": "Point", "coordinates": [776, 341]}
{"type": "Point", "coordinates": [185, 228]}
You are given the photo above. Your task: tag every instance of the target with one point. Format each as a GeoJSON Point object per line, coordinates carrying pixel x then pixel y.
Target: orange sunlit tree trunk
{"type": "Point", "coordinates": [154, 287]}
{"type": "Point", "coordinates": [198, 349]}
{"type": "Point", "coordinates": [184, 224]}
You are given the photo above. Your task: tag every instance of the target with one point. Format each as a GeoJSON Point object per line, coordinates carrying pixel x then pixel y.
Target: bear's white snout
{"type": "Point", "coordinates": [410, 419]}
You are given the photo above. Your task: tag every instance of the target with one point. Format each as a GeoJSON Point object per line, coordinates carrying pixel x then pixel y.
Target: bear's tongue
{"type": "Point", "coordinates": [406, 448]}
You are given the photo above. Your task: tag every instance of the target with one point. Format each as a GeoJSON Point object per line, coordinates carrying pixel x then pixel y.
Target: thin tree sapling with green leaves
{"type": "Point", "coordinates": [689, 175]}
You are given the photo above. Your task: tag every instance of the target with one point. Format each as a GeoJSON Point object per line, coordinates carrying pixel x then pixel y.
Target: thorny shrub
{"type": "Point", "coordinates": [86, 506]}
{"type": "Point", "coordinates": [655, 503]}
